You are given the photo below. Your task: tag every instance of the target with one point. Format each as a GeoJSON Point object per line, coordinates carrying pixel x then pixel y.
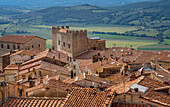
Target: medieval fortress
{"type": "Point", "coordinates": [72, 42]}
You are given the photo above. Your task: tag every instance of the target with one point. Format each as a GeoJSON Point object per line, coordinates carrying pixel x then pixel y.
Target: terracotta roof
{"type": "Point", "coordinates": [162, 74]}
{"type": "Point", "coordinates": [88, 78]}
{"type": "Point", "coordinates": [88, 97]}
{"type": "Point", "coordinates": [89, 54]}
{"type": "Point", "coordinates": [24, 52]}
{"type": "Point", "coordinates": [43, 65]}
{"type": "Point", "coordinates": [11, 66]}
{"type": "Point", "coordinates": [163, 56]}
{"type": "Point", "coordinates": [33, 102]}
{"type": "Point", "coordinates": [115, 51]}
{"type": "Point", "coordinates": [155, 96]}
{"type": "Point", "coordinates": [59, 84]}
{"type": "Point", "coordinates": [110, 63]}
{"type": "Point", "coordinates": [55, 55]}
{"type": "Point", "coordinates": [117, 78]}
{"type": "Point", "coordinates": [96, 39]}
{"type": "Point", "coordinates": [17, 38]}
{"type": "Point", "coordinates": [120, 87]}
{"type": "Point", "coordinates": [129, 105]}
{"type": "Point", "coordinates": [145, 57]}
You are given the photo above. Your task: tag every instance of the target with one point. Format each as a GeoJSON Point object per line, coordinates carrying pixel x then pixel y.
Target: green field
{"type": "Point", "coordinates": [127, 43]}
{"type": "Point", "coordinates": [49, 43]}
{"type": "Point", "coordinates": [148, 32]}
{"type": "Point", "coordinates": [106, 28]}
{"type": "Point", "coordinates": [31, 30]}
{"type": "Point", "coordinates": [111, 40]}
{"type": "Point", "coordinates": [115, 28]}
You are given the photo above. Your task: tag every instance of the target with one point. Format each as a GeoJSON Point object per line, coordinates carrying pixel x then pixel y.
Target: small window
{"type": "Point", "coordinates": [8, 47]}
{"type": "Point", "coordinates": [68, 58]}
{"type": "Point", "coordinates": [32, 46]}
{"type": "Point", "coordinates": [14, 47]}
{"type": "Point", "coordinates": [64, 44]}
{"type": "Point", "coordinates": [40, 74]}
{"type": "Point", "coordinates": [74, 67]}
{"type": "Point", "coordinates": [53, 47]}
{"type": "Point", "coordinates": [18, 47]}
{"type": "Point", "coordinates": [2, 46]}
{"type": "Point", "coordinates": [58, 42]}
{"type": "Point", "coordinates": [68, 45]}
{"type": "Point", "coordinates": [39, 45]}
{"type": "Point", "coordinates": [28, 69]}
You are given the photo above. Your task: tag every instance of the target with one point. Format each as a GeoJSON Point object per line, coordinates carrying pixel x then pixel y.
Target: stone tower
{"type": "Point", "coordinates": [68, 41]}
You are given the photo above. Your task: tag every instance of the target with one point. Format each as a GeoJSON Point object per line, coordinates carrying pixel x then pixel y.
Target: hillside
{"type": "Point", "coordinates": [148, 14]}
{"type": "Point", "coordinates": [76, 14]}
{"type": "Point", "coordinates": [49, 3]}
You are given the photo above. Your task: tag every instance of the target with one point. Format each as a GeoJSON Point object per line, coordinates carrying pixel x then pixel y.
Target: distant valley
{"type": "Point", "coordinates": [148, 21]}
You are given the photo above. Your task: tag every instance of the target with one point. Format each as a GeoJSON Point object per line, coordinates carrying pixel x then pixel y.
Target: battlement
{"type": "Point", "coordinates": [67, 29]}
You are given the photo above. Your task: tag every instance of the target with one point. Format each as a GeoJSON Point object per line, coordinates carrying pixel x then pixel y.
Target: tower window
{"type": "Point", "coordinates": [74, 66]}
{"type": "Point", "coordinates": [32, 46]}
{"type": "Point", "coordinates": [14, 47]}
{"type": "Point", "coordinates": [64, 44]}
{"type": "Point", "coordinates": [39, 45]}
{"type": "Point", "coordinates": [58, 42]}
{"type": "Point", "coordinates": [2, 46]}
{"type": "Point", "coordinates": [8, 47]}
{"type": "Point", "coordinates": [18, 47]}
{"type": "Point", "coordinates": [67, 58]}
{"type": "Point", "coordinates": [68, 45]}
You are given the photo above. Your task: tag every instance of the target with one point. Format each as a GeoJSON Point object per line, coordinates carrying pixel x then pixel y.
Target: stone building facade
{"type": "Point", "coordinates": [9, 43]}
{"type": "Point", "coordinates": [13, 42]}
{"type": "Point", "coordinates": [73, 42]}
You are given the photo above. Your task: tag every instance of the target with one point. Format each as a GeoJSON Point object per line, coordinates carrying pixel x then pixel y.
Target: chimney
{"type": "Point", "coordinates": [62, 27]}
{"type": "Point", "coordinates": [67, 27]}
{"type": "Point", "coordinates": [136, 89]}
{"type": "Point", "coordinates": [84, 75]}
{"type": "Point", "coordinates": [116, 59]}
{"type": "Point", "coordinates": [85, 31]}
{"type": "Point", "coordinates": [132, 77]}
{"type": "Point", "coordinates": [49, 49]}
{"type": "Point", "coordinates": [31, 83]}
{"type": "Point", "coordinates": [59, 55]}
{"type": "Point", "coordinates": [72, 75]}
{"type": "Point", "coordinates": [41, 80]}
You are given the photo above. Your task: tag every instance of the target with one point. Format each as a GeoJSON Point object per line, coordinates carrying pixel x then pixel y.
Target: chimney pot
{"type": "Point", "coordinates": [67, 27]}
{"type": "Point", "coordinates": [136, 89]}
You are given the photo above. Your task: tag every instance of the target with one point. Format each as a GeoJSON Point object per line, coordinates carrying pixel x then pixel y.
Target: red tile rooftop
{"type": "Point", "coordinates": [152, 95]}
{"type": "Point", "coordinates": [129, 105]}
{"type": "Point", "coordinates": [12, 67]}
{"type": "Point", "coordinates": [17, 38]}
{"type": "Point", "coordinates": [163, 56]}
{"type": "Point", "coordinates": [55, 55]}
{"type": "Point", "coordinates": [33, 102]}
{"type": "Point", "coordinates": [88, 97]}
{"type": "Point", "coordinates": [24, 52]}
{"type": "Point", "coordinates": [119, 89]}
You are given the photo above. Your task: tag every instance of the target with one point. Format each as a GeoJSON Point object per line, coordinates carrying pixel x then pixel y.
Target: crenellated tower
{"type": "Point", "coordinates": [69, 41]}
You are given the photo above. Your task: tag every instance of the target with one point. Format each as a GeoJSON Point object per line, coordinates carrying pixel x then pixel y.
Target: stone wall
{"type": "Point", "coordinates": [68, 41]}
{"type": "Point", "coordinates": [36, 44]}
{"type": "Point", "coordinates": [96, 44]}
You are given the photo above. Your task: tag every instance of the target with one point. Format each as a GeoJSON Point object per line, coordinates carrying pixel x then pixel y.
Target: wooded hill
{"type": "Point", "coordinates": [148, 14]}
